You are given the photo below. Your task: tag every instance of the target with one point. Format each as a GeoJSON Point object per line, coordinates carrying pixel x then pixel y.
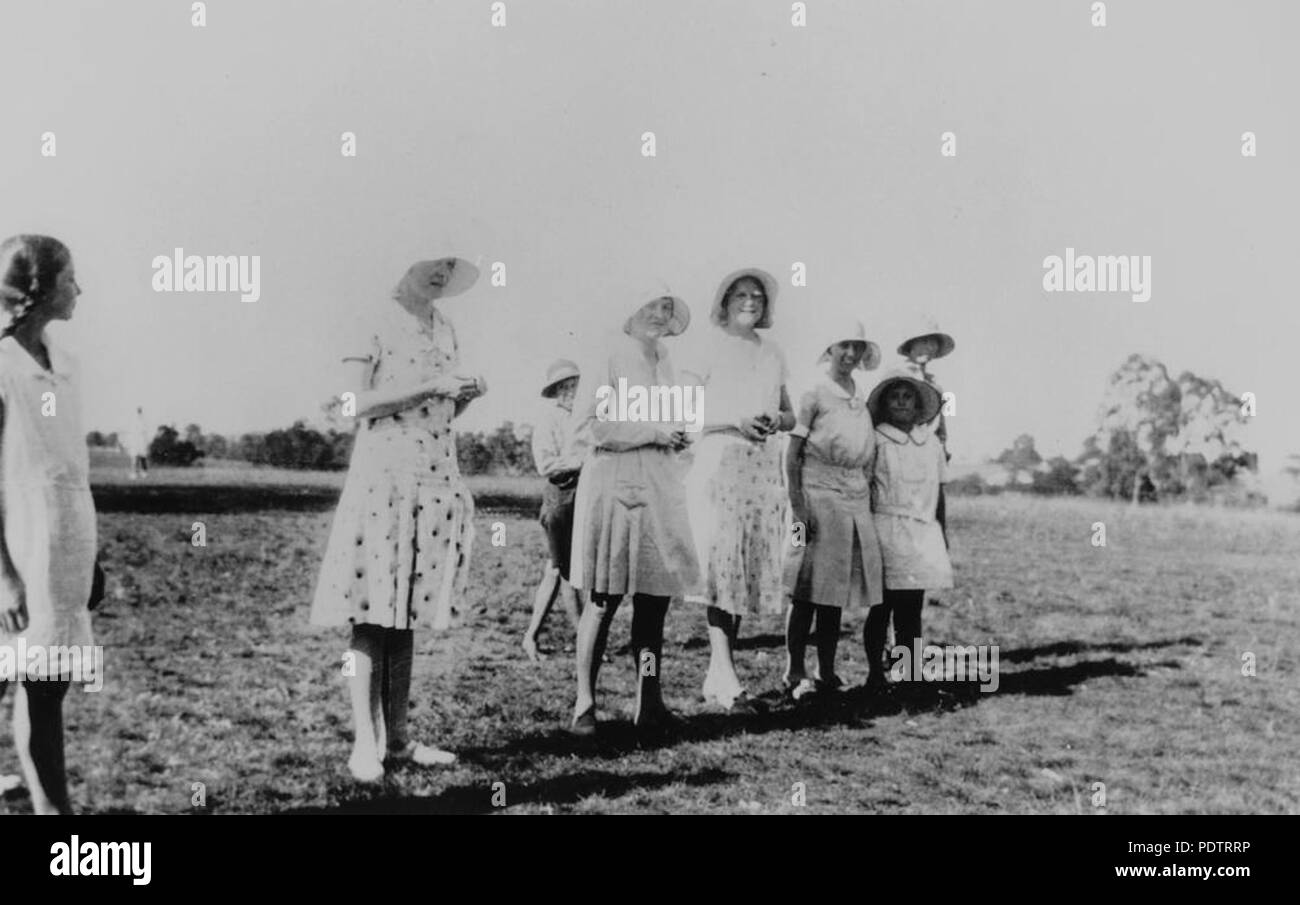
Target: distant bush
{"type": "Point", "coordinates": [970, 485]}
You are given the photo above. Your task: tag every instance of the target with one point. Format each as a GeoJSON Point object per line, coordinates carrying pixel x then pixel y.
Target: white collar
{"type": "Point", "coordinates": [838, 391]}
{"type": "Point", "coordinates": [918, 435]}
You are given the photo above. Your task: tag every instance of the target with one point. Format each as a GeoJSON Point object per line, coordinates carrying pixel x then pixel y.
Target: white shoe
{"type": "Point", "coordinates": [9, 782]}
{"type": "Point", "coordinates": [365, 769]}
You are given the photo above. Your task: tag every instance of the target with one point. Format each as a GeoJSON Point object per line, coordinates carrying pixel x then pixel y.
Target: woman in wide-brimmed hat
{"type": "Point", "coordinates": [926, 344]}
{"type": "Point", "coordinates": [398, 553]}
{"type": "Point", "coordinates": [910, 469]}
{"type": "Point", "coordinates": [738, 506]}
{"type": "Point", "coordinates": [829, 464]}
{"type": "Point", "coordinates": [560, 443]}
{"type": "Point", "coordinates": [631, 534]}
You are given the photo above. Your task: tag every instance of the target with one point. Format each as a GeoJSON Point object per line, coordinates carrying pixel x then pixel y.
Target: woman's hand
{"type": "Point", "coordinates": [674, 440]}
{"type": "Point", "coordinates": [755, 429]}
{"type": "Point", "coordinates": [13, 605]}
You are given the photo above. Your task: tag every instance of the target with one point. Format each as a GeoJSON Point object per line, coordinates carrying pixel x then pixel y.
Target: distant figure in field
{"type": "Point", "coordinates": [47, 516]}
{"type": "Point", "coordinates": [135, 443]}
{"type": "Point", "coordinates": [560, 443]}
{"type": "Point", "coordinates": [398, 554]}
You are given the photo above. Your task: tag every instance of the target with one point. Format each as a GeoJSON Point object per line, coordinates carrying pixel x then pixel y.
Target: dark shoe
{"type": "Point", "coordinates": [877, 685]}
{"type": "Point", "coordinates": [744, 705]}
{"type": "Point", "coordinates": [657, 724]}
{"type": "Point", "coordinates": [584, 724]}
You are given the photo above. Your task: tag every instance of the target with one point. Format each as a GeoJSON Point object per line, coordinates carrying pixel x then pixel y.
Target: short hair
{"type": "Point", "coordinates": [29, 270]}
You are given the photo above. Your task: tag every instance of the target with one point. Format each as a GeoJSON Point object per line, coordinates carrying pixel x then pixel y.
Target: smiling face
{"type": "Point", "coordinates": [901, 404]}
{"type": "Point", "coordinates": [746, 302]}
{"type": "Point", "coordinates": [846, 355]}
{"type": "Point", "coordinates": [923, 349]}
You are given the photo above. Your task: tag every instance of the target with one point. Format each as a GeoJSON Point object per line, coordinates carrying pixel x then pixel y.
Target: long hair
{"type": "Point", "coordinates": [29, 270]}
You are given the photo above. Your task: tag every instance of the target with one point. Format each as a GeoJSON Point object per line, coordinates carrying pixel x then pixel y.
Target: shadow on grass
{"type": "Point", "coordinates": [220, 498]}
{"type": "Point", "coordinates": [477, 799]}
{"type": "Point", "coordinates": [1071, 648]}
{"type": "Point", "coordinates": [854, 708]}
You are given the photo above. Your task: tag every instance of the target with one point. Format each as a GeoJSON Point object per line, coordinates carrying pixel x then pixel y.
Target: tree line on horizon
{"type": "Point", "coordinates": [1157, 437]}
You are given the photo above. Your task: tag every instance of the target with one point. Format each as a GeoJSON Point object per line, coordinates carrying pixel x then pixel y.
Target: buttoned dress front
{"type": "Point", "coordinates": [910, 466]}
{"type": "Point", "coordinates": [49, 515]}
{"type": "Point", "coordinates": [399, 551]}
{"type": "Point", "coordinates": [839, 457]}
{"type": "Point", "coordinates": [631, 533]}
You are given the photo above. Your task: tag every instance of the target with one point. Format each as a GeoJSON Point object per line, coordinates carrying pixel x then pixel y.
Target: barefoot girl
{"type": "Point", "coordinates": [398, 554]}
{"type": "Point", "coordinates": [828, 467]}
{"type": "Point", "coordinates": [910, 469]}
{"type": "Point", "coordinates": [47, 516]}
{"type": "Point", "coordinates": [631, 533]}
{"type": "Point", "coordinates": [738, 505]}
{"type": "Point", "coordinates": [559, 445]}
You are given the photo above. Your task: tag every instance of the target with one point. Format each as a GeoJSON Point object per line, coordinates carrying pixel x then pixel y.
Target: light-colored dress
{"type": "Point", "coordinates": [398, 554]}
{"type": "Point", "coordinates": [738, 505]}
{"type": "Point", "coordinates": [48, 512]}
{"type": "Point", "coordinates": [839, 456]}
{"type": "Point", "coordinates": [905, 491]}
{"type": "Point", "coordinates": [631, 534]}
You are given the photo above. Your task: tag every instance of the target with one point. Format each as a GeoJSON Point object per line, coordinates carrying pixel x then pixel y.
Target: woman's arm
{"type": "Point", "coordinates": [13, 603]}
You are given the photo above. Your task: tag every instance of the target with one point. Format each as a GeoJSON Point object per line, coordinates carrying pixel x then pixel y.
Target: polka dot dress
{"type": "Point", "coordinates": [398, 553]}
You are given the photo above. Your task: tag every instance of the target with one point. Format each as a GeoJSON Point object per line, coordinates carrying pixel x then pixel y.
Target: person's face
{"type": "Point", "coordinates": [847, 355]}
{"type": "Point", "coordinates": [438, 277]}
{"type": "Point", "coordinates": [653, 319]}
{"type": "Point", "coordinates": [901, 404]}
{"type": "Point", "coordinates": [922, 350]}
{"type": "Point", "coordinates": [746, 302]}
{"type": "Point", "coordinates": [63, 300]}
{"type": "Point", "coordinates": [565, 392]}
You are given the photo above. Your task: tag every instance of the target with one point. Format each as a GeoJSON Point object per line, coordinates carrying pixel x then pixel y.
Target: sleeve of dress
{"type": "Point", "coordinates": [546, 449]}
{"type": "Point", "coordinates": [806, 415]}
{"type": "Point", "coordinates": [597, 401]}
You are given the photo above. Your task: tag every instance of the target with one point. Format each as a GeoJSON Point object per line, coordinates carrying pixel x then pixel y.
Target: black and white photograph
{"type": "Point", "coordinates": [729, 407]}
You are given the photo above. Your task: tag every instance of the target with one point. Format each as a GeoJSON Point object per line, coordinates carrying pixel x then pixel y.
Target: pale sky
{"type": "Point", "coordinates": [775, 144]}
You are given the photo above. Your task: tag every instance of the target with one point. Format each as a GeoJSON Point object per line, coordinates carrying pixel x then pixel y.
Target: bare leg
{"type": "Point", "coordinates": [38, 736]}
{"type": "Point", "coordinates": [365, 688]}
{"type": "Point", "coordinates": [721, 682]}
{"type": "Point", "coordinates": [593, 635]}
{"type": "Point", "coordinates": [543, 599]}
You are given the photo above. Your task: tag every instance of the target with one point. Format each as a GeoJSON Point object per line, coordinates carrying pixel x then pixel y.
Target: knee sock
{"type": "Point", "coordinates": [798, 624]}
{"type": "Point", "coordinates": [828, 639]}
{"type": "Point", "coordinates": [873, 638]}
{"type": "Point", "coordinates": [647, 645]}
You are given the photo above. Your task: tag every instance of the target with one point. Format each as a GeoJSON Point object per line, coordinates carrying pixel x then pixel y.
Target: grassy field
{"type": "Point", "coordinates": [1120, 665]}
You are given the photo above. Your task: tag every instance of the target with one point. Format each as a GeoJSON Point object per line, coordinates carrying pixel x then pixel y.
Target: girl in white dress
{"type": "Point", "coordinates": [47, 516]}
{"type": "Point", "coordinates": [398, 554]}
{"type": "Point", "coordinates": [910, 470]}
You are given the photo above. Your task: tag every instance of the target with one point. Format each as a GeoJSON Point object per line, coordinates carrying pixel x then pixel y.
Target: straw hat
{"type": "Point", "coordinates": [853, 332]}
{"type": "Point", "coordinates": [418, 284]}
{"type": "Point", "coordinates": [765, 279]}
{"type": "Point", "coordinates": [928, 396]}
{"type": "Point", "coordinates": [658, 289]}
{"type": "Point", "coordinates": [560, 370]}
{"type": "Point", "coordinates": [927, 328]}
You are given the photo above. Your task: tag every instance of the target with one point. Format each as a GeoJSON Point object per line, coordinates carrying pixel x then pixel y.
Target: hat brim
{"type": "Point", "coordinates": [463, 276]}
{"type": "Point", "coordinates": [871, 358]}
{"type": "Point", "coordinates": [549, 391]}
{"type": "Point", "coordinates": [931, 401]}
{"type": "Point", "coordinates": [945, 343]}
{"type": "Point", "coordinates": [770, 288]}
